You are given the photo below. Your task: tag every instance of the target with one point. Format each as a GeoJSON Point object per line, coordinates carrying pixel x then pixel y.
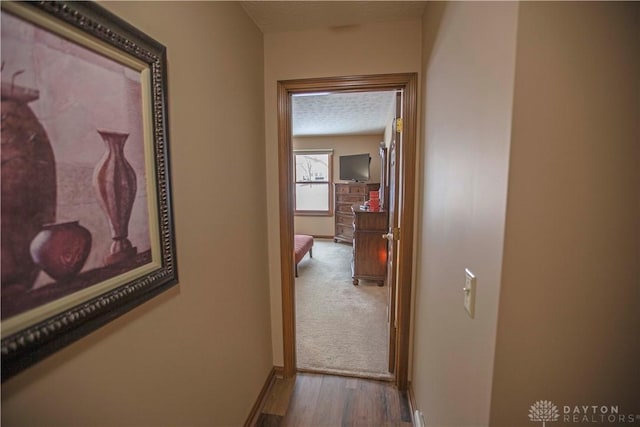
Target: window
{"type": "Point", "coordinates": [313, 180]}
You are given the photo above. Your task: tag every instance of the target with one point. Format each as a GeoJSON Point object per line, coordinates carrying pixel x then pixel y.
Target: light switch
{"type": "Point", "coordinates": [469, 292]}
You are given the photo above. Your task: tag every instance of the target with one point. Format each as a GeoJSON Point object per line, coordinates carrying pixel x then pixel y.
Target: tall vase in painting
{"type": "Point", "coordinates": [28, 186]}
{"type": "Point", "coordinates": [114, 181]}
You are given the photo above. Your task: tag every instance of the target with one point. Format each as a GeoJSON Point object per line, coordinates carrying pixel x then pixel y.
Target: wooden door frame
{"type": "Point", "coordinates": [286, 88]}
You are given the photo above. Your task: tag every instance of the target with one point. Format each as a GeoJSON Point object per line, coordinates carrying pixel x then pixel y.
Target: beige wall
{"type": "Point", "coordinates": [568, 322]}
{"type": "Point", "coordinates": [392, 47]}
{"type": "Point", "coordinates": [341, 145]}
{"type": "Point", "coordinates": [559, 263]}
{"type": "Point", "coordinates": [199, 353]}
{"type": "Point", "coordinates": [469, 57]}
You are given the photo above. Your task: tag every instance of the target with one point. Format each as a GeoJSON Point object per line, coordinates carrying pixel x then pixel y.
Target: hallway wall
{"type": "Point", "coordinates": [568, 321]}
{"type": "Point", "coordinates": [469, 66]}
{"type": "Point", "coordinates": [391, 47]}
{"type": "Point", "coordinates": [199, 353]}
{"type": "Point", "coordinates": [548, 93]}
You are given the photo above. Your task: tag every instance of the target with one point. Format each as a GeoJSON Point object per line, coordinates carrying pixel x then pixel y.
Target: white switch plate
{"type": "Point", "coordinates": [469, 292]}
{"type": "Point", "coordinates": [418, 419]}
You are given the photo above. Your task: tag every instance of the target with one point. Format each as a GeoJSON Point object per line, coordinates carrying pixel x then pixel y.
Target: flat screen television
{"type": "Point", "coordinates": [355, 167]}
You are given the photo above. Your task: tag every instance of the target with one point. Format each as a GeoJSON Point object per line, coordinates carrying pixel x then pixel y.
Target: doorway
{"type": "Point", "coordinates": [341, 301]}
{"type": "Point", "coordinates": [403, 230]}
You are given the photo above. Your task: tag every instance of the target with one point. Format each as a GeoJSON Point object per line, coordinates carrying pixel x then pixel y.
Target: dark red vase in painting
{"type": "Point", "coordinates": [61, 249]}
{"type": "Point", "coordinates": [114, 181]}
{"type": "Point", "coordinates": [28, 186]}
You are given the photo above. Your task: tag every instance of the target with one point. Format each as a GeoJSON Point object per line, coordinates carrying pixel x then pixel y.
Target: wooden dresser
{"type": "Point", "coordinates": [346, 195]}
{"type": "Point", "coordinates": [369, 247]}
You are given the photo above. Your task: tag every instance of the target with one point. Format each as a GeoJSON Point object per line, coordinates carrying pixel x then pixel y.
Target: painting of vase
{"type": "Point", "coordinates": [56, 94]}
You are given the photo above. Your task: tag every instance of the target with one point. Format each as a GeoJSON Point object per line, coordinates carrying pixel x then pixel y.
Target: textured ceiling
{"type": "Point", "coordinates": [361, 113]}
{"type": "Point", "coordinates": [274, 16]}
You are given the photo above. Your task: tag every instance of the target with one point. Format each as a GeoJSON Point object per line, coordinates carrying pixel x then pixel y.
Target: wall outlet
{"type": "Point", "coordinates": [418, 419]}
{"type": "Point", "coordinates": [469, 292]}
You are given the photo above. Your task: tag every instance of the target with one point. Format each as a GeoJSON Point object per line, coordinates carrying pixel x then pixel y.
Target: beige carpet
{"type": "Point", "coordinates": [340, 327]}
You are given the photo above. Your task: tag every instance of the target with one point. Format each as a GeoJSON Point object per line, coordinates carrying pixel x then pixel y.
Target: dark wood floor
{"type": "Point", "coordinates": [312, 400]}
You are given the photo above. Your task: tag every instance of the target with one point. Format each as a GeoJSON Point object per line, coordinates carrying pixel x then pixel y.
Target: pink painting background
{"type": "Point", "coordinates": [80, 91]}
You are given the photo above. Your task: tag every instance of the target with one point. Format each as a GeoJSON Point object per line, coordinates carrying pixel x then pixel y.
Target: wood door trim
{"type": "Point", "coordinates": [378, 377]}
{"type": "Point", "coordinates": [406, 211]}
{"type": "Point", "coordinates": [408, 82]}
{"type": "Point", "coordinates": [285, 178]}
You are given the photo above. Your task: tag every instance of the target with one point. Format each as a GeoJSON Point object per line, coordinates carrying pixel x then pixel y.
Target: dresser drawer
{"type": "Point", "coordinates": [371, 221]}
{"type": "Point", "coordinates": [344, 219]}
{"type": "Point", "coordinates": [344, 230]}
{"type": "Point", "coordinates": [358, 189]}
{"type": "Point", "coordinates": [342, 189]}
{"type": "Point", "coordinates": [350, 198]}
{"type": "Point", "coordinates": [344, 208]}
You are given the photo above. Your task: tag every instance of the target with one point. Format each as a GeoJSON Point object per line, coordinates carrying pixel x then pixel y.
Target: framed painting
{"type": "Point", "coordinates": [87, 224]}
